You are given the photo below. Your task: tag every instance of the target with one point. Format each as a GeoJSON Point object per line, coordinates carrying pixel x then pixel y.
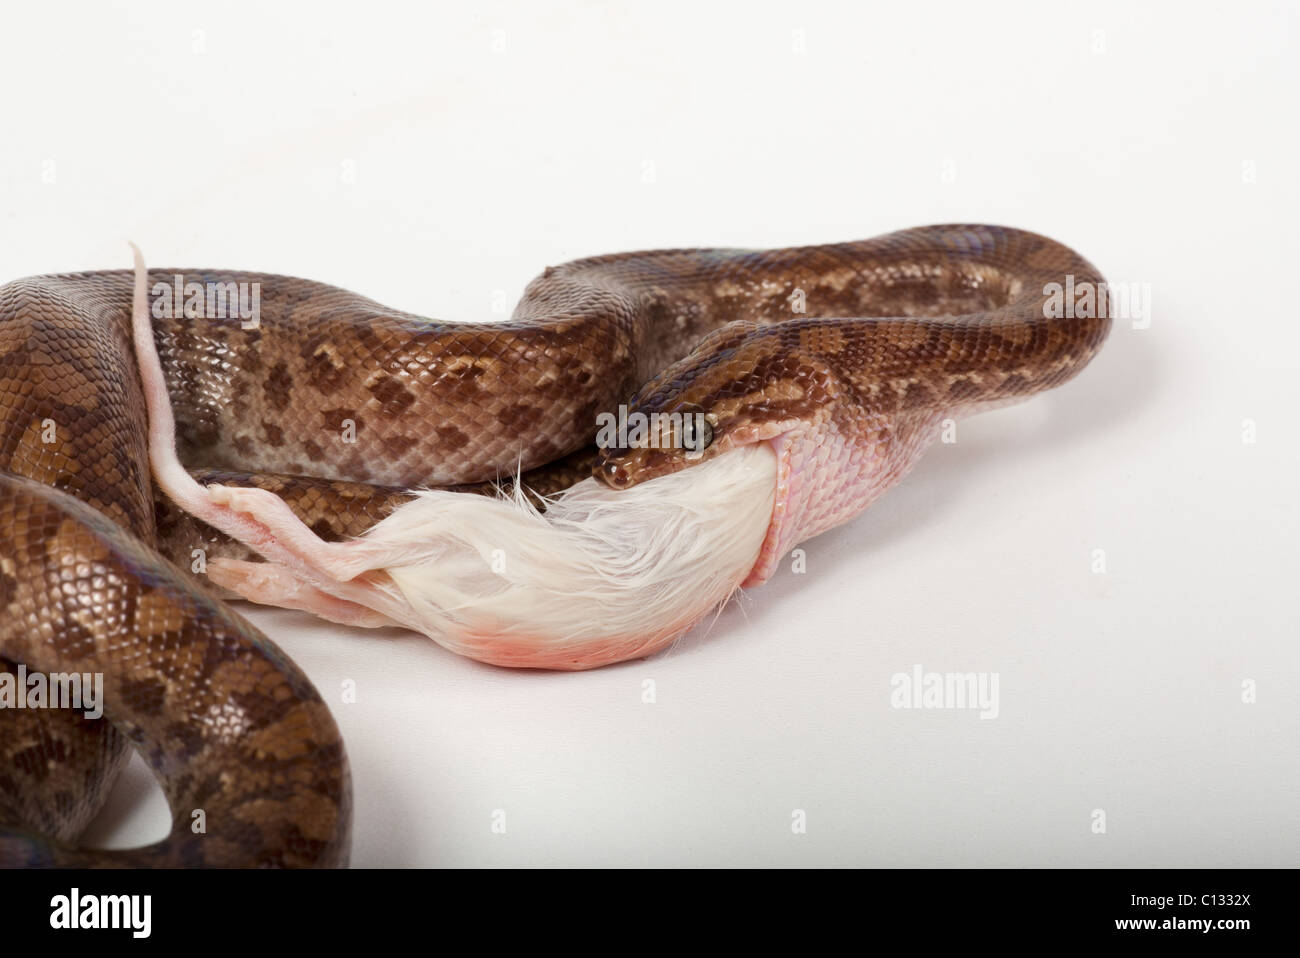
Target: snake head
{"type": "Point", "coordinates": [744, 383]}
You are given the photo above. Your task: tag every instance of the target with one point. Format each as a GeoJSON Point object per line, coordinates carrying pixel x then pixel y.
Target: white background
{"type": "Point", "coordinates": [436, 159]}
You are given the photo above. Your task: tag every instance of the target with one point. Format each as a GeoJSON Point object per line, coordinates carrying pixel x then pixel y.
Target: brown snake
{"type": "Point", "coordinates": [844, 356]}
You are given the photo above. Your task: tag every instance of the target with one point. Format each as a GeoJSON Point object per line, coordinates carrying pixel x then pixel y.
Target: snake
{"type": "Point", "coordinates": [843, 357]}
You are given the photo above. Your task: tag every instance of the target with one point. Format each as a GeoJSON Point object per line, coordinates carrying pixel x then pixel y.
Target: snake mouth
{"type": "Point", "coordinates": [779, 537]}
{"type": "Point", "coordinates": [627, 467]}
{"type": "Point", "coordinates": [613, 468]}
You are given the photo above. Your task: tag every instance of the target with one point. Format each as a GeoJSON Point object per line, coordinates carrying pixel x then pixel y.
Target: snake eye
{"type": "Point", "coordinates": [697, 434]}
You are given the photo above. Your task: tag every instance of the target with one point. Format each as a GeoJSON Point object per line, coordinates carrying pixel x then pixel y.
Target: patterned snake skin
{"type": "Point", "coordinates": [845, 357]}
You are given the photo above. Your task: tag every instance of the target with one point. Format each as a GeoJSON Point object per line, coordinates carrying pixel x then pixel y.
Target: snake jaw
{"type": "Point", "coordinates": [624, 468]}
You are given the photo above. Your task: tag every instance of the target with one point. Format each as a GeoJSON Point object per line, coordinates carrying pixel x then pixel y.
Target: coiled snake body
{"type": "Point", "coordinates": [845, 357]}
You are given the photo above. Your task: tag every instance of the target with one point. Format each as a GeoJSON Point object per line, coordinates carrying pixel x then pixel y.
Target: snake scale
{"type": "Point", "coordinates": [825, 351]}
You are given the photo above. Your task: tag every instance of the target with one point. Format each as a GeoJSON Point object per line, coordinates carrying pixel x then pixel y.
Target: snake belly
{"type": "Point", "coordinates": [341, 405]}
